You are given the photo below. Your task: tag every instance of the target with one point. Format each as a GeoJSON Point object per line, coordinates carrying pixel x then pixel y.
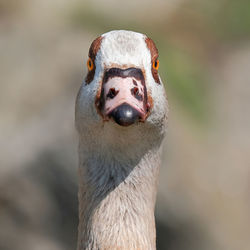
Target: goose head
{"type": "Point", "coordinates": [122, 93]}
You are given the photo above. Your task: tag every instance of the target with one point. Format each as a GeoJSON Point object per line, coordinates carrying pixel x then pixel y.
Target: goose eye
{"type": "Point", "coordinates": [90, 64]}
{"type": "Point", "coordinates": [156, 64]}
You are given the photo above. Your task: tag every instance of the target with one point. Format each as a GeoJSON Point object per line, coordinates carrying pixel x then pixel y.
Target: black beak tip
{"type": "Point", "coordinates": [125, 115]}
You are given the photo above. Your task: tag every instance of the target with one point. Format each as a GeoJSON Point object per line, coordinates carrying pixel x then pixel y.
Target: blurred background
{"type": "Point", "coordinates": [203, 199]}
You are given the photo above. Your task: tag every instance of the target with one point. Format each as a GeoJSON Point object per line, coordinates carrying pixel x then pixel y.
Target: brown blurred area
{"type": "Point", "coordinates": [203, 199]}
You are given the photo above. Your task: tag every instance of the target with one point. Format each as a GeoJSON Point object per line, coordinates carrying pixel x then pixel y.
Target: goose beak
{"type": "Point", "coordinates": [125, 115]}
{"type": "Point", "coordinates": [124, 96]}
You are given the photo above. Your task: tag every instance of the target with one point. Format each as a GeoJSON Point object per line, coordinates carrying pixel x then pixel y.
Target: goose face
{"type": "Point", "coordinates": [123, 96]}
{"type": "Point", "coordinates": [122, 85]}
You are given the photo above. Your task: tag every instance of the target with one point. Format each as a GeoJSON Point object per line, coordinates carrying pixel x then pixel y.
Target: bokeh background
{"type": "Point", "coordinates": [203, 200]}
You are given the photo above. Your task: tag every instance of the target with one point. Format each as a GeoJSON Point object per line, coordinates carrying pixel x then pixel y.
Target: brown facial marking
{"type": "Point", "coordinates": [135, 83]}
{"type": "Point", "coordinates": [150, 103]}
{"type": "Point", "coordinates": [98, 102]}
{"type": "Point", "coordinates": [112, 93]}
{"type": "Point", "coordinates": [154, 56]}
{"type": "Point", "coordinates": [135, 92]}
{"type": "Point", "coordinates": [95, 46]}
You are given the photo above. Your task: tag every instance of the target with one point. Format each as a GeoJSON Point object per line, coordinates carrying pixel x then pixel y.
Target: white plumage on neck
{"type": "Point", "coordinates": [117, 203]}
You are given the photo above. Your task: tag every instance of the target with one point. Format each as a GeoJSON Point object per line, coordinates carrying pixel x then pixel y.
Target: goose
{"type": "Point", "coordinates": [121, 117]}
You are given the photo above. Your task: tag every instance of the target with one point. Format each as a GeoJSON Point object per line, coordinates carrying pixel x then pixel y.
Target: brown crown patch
{"type": "Point", "coordinates": [154, 56]}
{"type": "Point", "coordinates": [94, 48]}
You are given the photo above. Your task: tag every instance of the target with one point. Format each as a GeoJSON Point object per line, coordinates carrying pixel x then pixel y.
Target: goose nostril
{"type": "Point", "coordinates": [112, 93]}
{"type": "Point", "coordinates": [135, 92]}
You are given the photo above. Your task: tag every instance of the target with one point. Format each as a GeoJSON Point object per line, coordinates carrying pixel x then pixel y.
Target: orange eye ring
{"type": "Point", "coordinates": [90, 64]}
{"type": "Point", "coordinates": [156, 64]}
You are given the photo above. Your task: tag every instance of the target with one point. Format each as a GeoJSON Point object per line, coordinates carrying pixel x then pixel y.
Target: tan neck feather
{"type": "Point", "coordinates": [116, 203]}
